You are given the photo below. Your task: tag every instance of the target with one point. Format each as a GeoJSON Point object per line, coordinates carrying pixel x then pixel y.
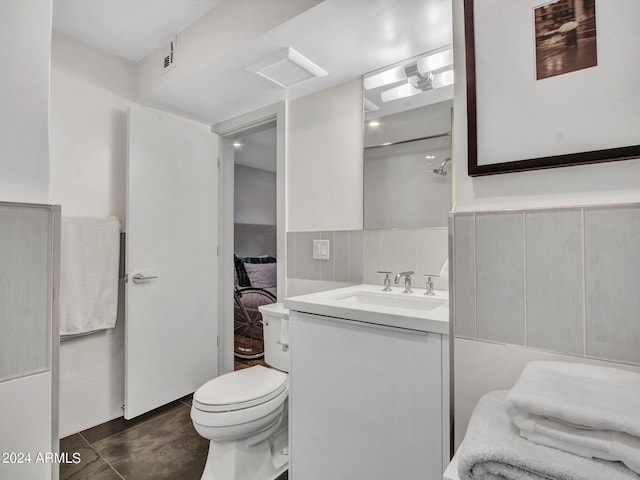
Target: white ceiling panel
{"type": "Point", "coordinates": [128, 28]}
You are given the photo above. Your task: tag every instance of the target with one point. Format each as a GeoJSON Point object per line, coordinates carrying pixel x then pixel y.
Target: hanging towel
{"type": "Point", "coordinates": [587, 410]}
{"type": "Point", "coordinates": [492, 449]}
{"type": "Point", "coordinates": [89, 261]}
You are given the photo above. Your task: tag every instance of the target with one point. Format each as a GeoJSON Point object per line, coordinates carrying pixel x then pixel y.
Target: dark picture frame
{"type": "Point", "coordinates": [572, 158]}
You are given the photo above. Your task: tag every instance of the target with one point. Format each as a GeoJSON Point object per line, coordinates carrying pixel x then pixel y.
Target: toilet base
{"type": "Point", "coordinates": [261, 457]}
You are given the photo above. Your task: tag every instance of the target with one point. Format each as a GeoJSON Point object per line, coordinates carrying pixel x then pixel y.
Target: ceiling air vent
{"type": "Point", "coordinates": [169, 55]}
{"type": "Point", "coordinates": [287, 68]}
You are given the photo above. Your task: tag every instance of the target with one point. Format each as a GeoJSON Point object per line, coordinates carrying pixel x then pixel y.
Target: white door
{"type": "Point", "coordinates": [171, 323]}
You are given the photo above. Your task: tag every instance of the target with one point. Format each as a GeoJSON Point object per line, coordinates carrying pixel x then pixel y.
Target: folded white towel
{"type": "Point", "coordinates": [89, 261]}
{"type": "Point", "coordinates": [587, 410]}
{"type": "Point", "coordinates": [492, 449]}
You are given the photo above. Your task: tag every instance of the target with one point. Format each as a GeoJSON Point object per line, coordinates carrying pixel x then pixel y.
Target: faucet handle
{"type": "Point", "coordinates": [430, 283]}
{"type": "Point", "coordinates": [387, 280]}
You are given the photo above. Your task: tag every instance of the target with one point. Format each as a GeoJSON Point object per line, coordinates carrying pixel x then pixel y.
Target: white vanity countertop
{"type": "Point", "coordinates": [368, 303]}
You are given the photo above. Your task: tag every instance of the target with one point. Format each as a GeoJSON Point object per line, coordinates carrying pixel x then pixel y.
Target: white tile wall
{"type": "Point", "coordinates": [554, 280]}
{"type": "Point", "coordinates": [612, 243]}
{"type": "Point", "coordinates": [25, 266]}
{"type": "Point", "coordinates": [357, 255]}
{"type": "Point", "coordinates": [562, 280]}
{"type": "Point", "coordinates": [500, 277]}
{"type": "Point", "coordinates": [464, 267]}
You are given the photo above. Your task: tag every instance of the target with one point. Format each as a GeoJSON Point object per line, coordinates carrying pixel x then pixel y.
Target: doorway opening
{"type": "Point", "coordinates": [252, 249]}
{"type": "Point", "coordinates": [254, 239]}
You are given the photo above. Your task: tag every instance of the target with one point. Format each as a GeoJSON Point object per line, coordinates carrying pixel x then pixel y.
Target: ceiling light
{"type": "Point", "coordinates": [396, 93]}
{"type": "Point", "coordinates": [420, 73]}
{"type": "Point", "coordinates": [388, 77]}
{"type": "Point", "coordinates": [419, 85]}
{"type": "Point", "coordinates": [442, 79]}
{"type": "Point", "coordinates": [287, 68]}
{"type": "Point", "coordinates": [435, 62]}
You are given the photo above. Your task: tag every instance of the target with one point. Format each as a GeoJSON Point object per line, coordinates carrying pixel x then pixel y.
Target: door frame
{"type": "Point", "coordinates": [227, 131]}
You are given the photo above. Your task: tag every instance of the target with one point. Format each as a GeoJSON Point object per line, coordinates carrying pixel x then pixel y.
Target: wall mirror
{"type": "Point", "coordinates": [407, 142]}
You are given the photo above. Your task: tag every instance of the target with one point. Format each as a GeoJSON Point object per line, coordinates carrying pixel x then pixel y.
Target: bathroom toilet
{"type": "Point", "coordinates": [243, 414]}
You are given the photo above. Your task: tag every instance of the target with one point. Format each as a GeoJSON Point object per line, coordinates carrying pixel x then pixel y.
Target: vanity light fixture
{"type": "Point", "coordinates": [421, 67]}
{"type": "Point", "coordinates": [237, 144]}
{"type": "Point", "coordinates": [374, 123]}
{"type": "Point", "coordinates": [422, 84]}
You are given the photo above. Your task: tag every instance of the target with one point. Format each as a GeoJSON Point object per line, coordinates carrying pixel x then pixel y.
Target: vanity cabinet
{"type": "Point", "coordinates": [367, 401]}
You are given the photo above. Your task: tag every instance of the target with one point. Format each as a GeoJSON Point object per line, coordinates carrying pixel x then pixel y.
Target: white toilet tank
{"type": "Point", "coordinates": [275, 322]}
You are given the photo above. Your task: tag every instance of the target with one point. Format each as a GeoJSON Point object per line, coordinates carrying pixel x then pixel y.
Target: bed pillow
{"type": "Point", "coordinates": [241, 272]}
{"type": "Point", "coordinates": [262, 275]}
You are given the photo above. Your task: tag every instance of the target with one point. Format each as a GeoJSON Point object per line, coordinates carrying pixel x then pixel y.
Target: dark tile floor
{"type": "Point", "coordinates": [159, 445]}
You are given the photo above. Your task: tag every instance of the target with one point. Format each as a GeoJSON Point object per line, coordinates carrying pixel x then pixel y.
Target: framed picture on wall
{"type": "Point", "coordinates": [551, 83]}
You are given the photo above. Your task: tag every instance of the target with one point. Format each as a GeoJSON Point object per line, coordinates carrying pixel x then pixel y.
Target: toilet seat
{"type": "Point", "coordinates": [240, 390]}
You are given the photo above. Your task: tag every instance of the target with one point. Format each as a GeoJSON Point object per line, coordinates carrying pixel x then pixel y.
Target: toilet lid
{"type": "Point", "coordinates": [240, 389]}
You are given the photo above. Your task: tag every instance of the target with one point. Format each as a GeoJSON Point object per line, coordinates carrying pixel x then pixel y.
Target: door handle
{"type": "Point", "coordinates": [139, 278]}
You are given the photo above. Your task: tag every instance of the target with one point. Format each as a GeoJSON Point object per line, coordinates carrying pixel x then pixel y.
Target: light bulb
{"type": "Point", "coordinates": [396, 93]}
{"type": "Point", "coordinates": [393, 75]}
{"type": "Point", "coordinates": [435, 62]}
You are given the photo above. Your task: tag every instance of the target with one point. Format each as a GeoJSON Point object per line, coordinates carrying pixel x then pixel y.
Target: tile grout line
{"type": "Point", "coordinates": [101, 457]}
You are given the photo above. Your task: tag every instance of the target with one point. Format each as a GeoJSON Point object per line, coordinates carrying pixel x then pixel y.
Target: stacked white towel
{"type": "Point", "coordinates": [89, 261]}
{"type": "Point", "coordinates": [586, 410]}
{"type": "Point", "coordinates": [493, 449]}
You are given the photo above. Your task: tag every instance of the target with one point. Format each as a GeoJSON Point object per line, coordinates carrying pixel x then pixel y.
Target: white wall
{"type": "Point", "coordinates": [255, 196]}
{"type": "Point", "coordinates": [90, 93]}
{"type": "Point", "coordinates": [324, 160]}
{"type": "Point", "coordinates": [25, 34]}
{"type": "Point", "coordinates": [604, 183]}
{"type": "Point", "coordinates": [480, 367]}
{"type": "Point", "coordinates": [25, 421]}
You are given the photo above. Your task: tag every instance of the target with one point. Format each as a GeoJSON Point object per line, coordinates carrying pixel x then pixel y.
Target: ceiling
{"type": "Point", "coordinates": [130, 29]}
{"type": "Point", "coordinates": [347, 38]}
{"type": "Point", "coordinates": [257, 149]}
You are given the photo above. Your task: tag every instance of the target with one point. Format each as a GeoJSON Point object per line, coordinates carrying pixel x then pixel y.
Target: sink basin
{"type": "Point", "coordinates": [403, 301]}
{"type": "Point", "coordinates": [369, 304]}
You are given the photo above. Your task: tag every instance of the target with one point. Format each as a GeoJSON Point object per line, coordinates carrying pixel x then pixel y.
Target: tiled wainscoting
{"type": "Point", "coordinates": [562, 280]}
{"type": "Point", "coordinates": [356, 255]}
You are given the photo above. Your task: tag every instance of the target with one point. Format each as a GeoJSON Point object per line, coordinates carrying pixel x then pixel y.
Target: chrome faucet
{"type": "Point", "coordinates": [387, 280]}
{"type": "Point", "coordinates": [407, 280]}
